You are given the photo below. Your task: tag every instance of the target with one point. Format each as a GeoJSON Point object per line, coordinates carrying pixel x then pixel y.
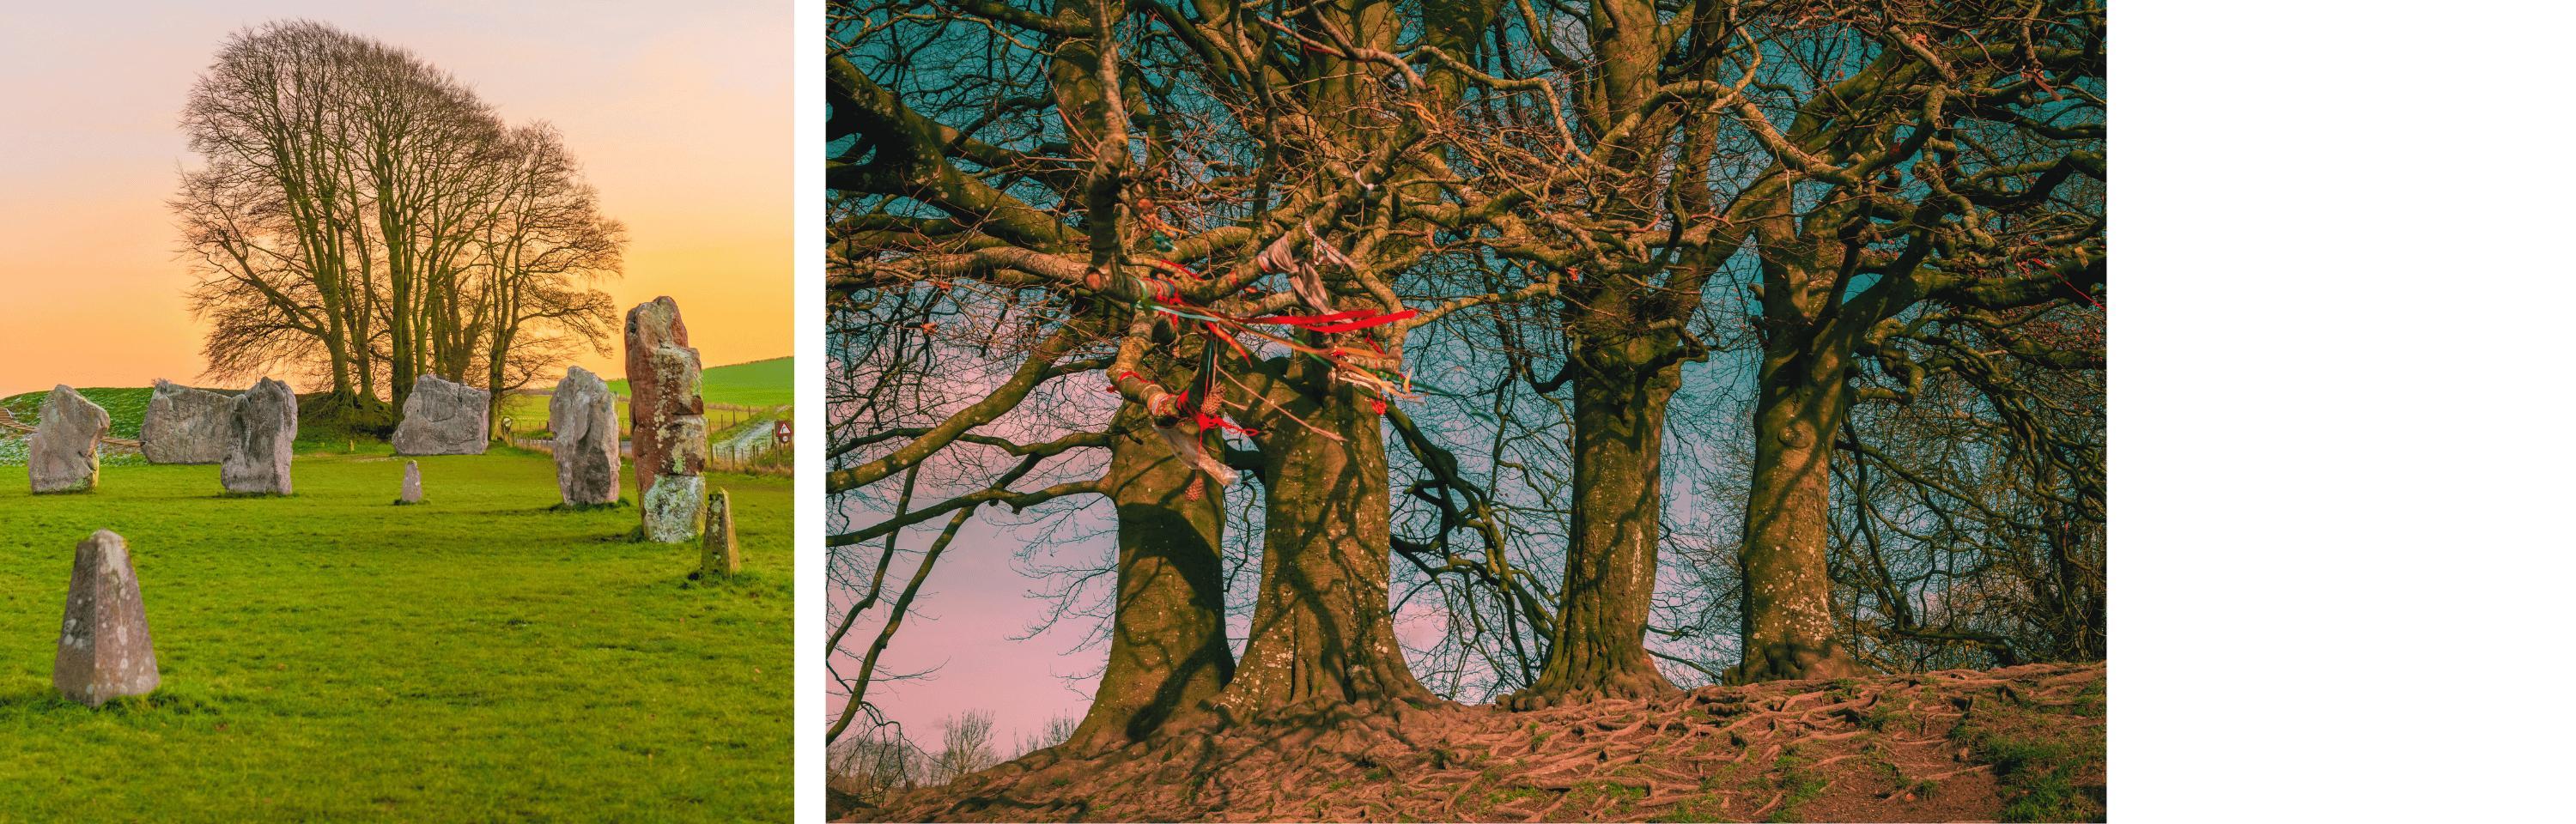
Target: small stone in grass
{"type": "Point", "coordinates": [720, 557]}
{"type": "Point", "coordinates": [105, 651]}
{"type": "Point", "coordinates": [411, 484]}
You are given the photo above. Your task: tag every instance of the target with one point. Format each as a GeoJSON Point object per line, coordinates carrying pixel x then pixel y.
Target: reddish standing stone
{"type": "Point", "coordinates": [650, 401]}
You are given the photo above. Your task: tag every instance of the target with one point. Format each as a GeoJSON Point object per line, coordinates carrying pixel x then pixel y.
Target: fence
{"type": "Point", "coordinates": [739, 440]}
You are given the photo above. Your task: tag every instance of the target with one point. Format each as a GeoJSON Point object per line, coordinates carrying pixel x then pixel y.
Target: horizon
{"type": "Point", "coordinates": [13, 391]}
{"type": "Point", "coordinates": [677, 113]}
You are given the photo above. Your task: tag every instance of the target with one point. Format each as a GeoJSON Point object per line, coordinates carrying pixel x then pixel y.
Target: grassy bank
{"type": "Point", "coordinates": [769, 382]}
{"type": "Point", "coordinates": [124, 407]}
{"type": "Point", "coordinates": [330, 656]}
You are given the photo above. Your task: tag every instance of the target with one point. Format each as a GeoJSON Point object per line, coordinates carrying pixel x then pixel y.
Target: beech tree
{"type": "Point", "coordinates": [1321, 636]}
{"type": "Point", "coordinates": [362, 214]}
{"type": "Point", "coordinates": [1269, 232]}
{"type": "Point", "coordinates": [541, 246]}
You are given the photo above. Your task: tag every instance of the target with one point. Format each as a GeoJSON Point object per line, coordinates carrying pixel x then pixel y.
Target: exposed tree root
{"type": "Point", "coordinates": [1847, 749]}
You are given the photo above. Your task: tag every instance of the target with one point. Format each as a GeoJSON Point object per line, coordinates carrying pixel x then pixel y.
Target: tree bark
{"type": "Point", "coordinates": [1322, 638]}
{"type": "Point", "coordinates": [1167, 647]}
{"type": "Point", "coordinates": [1788, 595]}
{"type": "Point", "coordinates": [1600, 644]}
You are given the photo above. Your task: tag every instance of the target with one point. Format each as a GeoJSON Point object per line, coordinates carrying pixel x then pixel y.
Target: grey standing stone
{"type": "Point", "coordinates": [442, 417]}
{"type": "Point", "coordinates": [720, 558]}
{"type": "Point", "coordinates": [106, 647]}
{"type": "Point", "coordinates": [673, 508]}
{"type": "Point", "coordinates": [583, 416]}
{"type": "Point", "coordinates": [186, 426]}
{"type": "Point", "coordinates": [261, 460]}
{"type": "Point", "coordinates": [411, 482]}
{"type": "Point", "coordinates": [63, 454]}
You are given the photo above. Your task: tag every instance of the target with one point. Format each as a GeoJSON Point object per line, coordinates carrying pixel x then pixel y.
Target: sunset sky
{"type": "Point", "coordinates": [679, 110]}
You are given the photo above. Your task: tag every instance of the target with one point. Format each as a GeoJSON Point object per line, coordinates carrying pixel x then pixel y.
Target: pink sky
{"type": "Point", "coordinates": [679, 110]}
{"type": "Point", "coordinates": [977, 602]}
{"type": "Point", "coordinates": [963, 623]}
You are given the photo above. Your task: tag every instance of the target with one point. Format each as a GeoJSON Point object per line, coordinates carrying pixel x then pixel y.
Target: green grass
{"type": "Point", "coordinates": [758, 384]}
{"type": "Point", "coordinates": [124, 407]}
{"type": "Point", "coordinates": [769, 382]}
{"type": "Point", "coordinates": [2038, 774]}
{"type": "Point", "coordinates": [329, 656]}
{"type": "Point", "coordinates": [1798, 786]}
{"type": "Point", "coordinates": [529, 418]}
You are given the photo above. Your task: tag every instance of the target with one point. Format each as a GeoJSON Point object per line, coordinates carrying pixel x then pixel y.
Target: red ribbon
{"type": "Point", "coordinates": [1357, 325]}
{"type": "Point", "coordinates": [1207, 421]}
{"type": "Point", "coordinates": [1310, 320]}
{"type": "Point", "coordinates": [1348, 321]}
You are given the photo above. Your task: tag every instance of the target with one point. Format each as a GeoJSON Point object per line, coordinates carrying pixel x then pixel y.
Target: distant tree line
{"type": "Point", "coordinates": [362, 216]}
{"type": "Point", "coordinates": [883, 759]}
{"type": "Point", "coordinates": [1834, 269]}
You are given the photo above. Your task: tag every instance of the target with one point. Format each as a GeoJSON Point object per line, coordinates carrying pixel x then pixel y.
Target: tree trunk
{"type": "Point", "coordinates": [1600, 644]}
{"type": "Point", "coordinates": [1167, 648]}
{"type": "Point", "coordinates": [1321, 636]}
{"type": "Point", "coordinates": [1788, 596]}
{"type": "Point", "coordinates": [404, 364]}
{"type": "Point", "coordinates": [493, 377]}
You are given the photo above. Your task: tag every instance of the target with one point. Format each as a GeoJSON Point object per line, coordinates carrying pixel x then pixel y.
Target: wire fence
{"type": "Point", "coordinates": [740, 439]}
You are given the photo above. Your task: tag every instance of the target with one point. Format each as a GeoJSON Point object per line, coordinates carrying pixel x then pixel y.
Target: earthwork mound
{"type": "Point", "coordinates": [2016, 744]}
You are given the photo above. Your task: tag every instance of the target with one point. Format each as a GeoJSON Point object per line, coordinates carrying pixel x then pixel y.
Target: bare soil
{"type": "Point", "coordinates": [2016, 744]}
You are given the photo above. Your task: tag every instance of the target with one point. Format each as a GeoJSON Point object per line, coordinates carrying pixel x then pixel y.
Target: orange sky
{"type": "Point", "coordinates": [678, 109]}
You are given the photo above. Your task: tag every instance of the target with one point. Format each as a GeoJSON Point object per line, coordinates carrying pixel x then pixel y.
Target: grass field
{"type": "Point", "coordinates": [329, 656]}
{"type": "Point", "coordinates": [769, 382]}
{"type": "Point", "coordinates": [124, 407]}
{"type": "Point", "coordinates": [756, 384]}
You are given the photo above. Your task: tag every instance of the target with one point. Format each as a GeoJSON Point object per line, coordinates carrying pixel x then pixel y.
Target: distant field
{"type": "Point", "coordinates": [331, 657]}
{"type": "Point", "coordinates": [124, 408]}
{"type": "Point", "coordinates": [769, 382]}
{"type": "Point", "coordinates": [758, 384]}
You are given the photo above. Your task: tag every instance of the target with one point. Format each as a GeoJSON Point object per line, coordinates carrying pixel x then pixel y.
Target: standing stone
{"type": "Point", "coordinates": [411, 483]}
{"type": "Point", "coordinates": [669, 425]}
{"type": "Point", "coordinates": [261, 460]}
{"type": "Point", "coordinates": [684, 445]}
{"type": "Point", "coordinates": [443, 417]}
{"type": "Point", "coordinates": [662, 384]}
{"type": "Point", "coordinates": [721, 557]}
{"type": "Point", "coordinates": [63, 454]}
{"type": "Point", "coordinates": [186, 426]}
{"type": "Point", "coordinates": [106, 647]}
{"type": "Point", "coordinates": [673, 508]}
{"type": "Point", "coordinates": [583, 416]}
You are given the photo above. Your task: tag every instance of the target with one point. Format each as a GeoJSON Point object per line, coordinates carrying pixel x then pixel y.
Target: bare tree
{"type": "Point", "coordinates": [1481, 248]}
{"type": "Point", "coordinates": [1058, 730]}
{"type": "Point", "coordinates": [965, 745]}
{"type": "Point", "coordinates": [542, 246]}
{"type": "Point", "coordinates": [363, 215]}
{"type": "Point", "coordinates": [870, 765]}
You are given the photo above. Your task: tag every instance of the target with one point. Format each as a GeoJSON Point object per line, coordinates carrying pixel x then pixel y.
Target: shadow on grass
{"type": "Point", "coordinates": [620, 503]}
{"type": "Point", "coordinates": [749, 582]}
{"type": "Point", "coordinates": [166, 701]}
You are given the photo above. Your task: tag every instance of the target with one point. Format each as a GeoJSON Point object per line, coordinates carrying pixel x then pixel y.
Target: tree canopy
{"type": "Point", "coordinates": [1433, 305]}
